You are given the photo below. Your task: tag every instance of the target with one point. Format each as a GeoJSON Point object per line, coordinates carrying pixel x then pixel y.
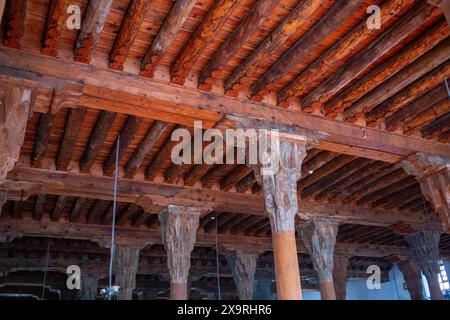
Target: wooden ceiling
{"type": "Point", "coordinates": [311, 57]}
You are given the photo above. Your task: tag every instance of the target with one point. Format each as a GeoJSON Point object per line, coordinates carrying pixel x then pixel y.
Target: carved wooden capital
{"type": "Point", "coordinates": [127, 264]}
{"type": "Point", "coordinates": [243, 266]}
{"type": "Point", "coordinates": [179, 225]}
{"type": "Point", "coordinates": [422, 164]}
{"type": "Point", "coordinates": [14, 110]}
{"type": "Point", "coordinates": [319, 237]}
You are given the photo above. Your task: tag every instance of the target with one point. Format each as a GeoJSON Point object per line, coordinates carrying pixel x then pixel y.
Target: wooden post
{"type": "Point", "coordinates": [279, 182]}
{"type": "Point", "coordinates": [243, 266]}
{"type": "Point", "coordinates": [14, 110]}
{"type": "Point", "coordinates": [89, 286]}
{"type": "Point", "coordinates": [340, 275]}
{"type": "Point", "coordinates": [127, 264]}
{"type": "Point", "coordinates": [424, 247]}
{"type": "Point", "coordinates": [433, 174]}
{"type": "Point", "coordinates": [319, 237]}
{"type": "Point", "coordinates": [179, 225]}
{"type": "Point", "coordinates": [413, 277]}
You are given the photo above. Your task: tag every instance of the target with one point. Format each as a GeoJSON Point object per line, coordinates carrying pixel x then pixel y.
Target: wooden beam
{"type": "Point", "coordinates": [166, 35]}
{"type": "Point", "coordinates": [437, 125]}
{"type": "Point", "coordinates": [166, 98]}
{"type": "Point", "coordinates": [93, 22]}
{"type": "Point", "coordinates": [56, 18]}
{"type": "Point", "coordinates": [59, 207]}
{"type": "Point", "coordinates": [39, 207]}
{"type": "Point", "coordinates": [229, 181]}
{"type": "Point", "coordinates": [76, 210]}
{"type": "Point", "coordinates": [300, 18]}
{"type": "Point", "coordinates": [131, 24]}
{"type": "Point", "coordinates": [419, 16]}
{"type": "Point", "coordinates": [153, 135]}
{"type": "Point", "coordinates": [98, 135]}
{"type": "Point", "coordinates": [15, 11]}
{"type": "Point", "coordinates": [96, 212]}
{"type": "Point", "coordinates": [387, 69]}
{"type": "Point", "coordinates": [71, 131]}
{"type": "Point", "coordinates": [240, 36]}
{"type": "Point", "coordinates": [334, 19]}
{"type": "Point", "coordinates": [423, 119]}
{"type": "Point", "coordinates": [433, 59]}
{"type": "Point", "coordinates": [126, 136]}
{"type": "Point", "coordinates": [43, 136]}
{"type": "Point", "coordinates": [343, 50]}
{"type": "Point", "coordinates": [197, 43]}
{"type": "Point", "coordinates": [131, 191]}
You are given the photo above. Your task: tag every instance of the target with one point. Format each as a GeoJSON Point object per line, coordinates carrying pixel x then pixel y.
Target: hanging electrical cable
{"type": "Point", "coordinates": [448, 88]}
{"type": "Point", "coordinates": [217, 261]}
{"type": "Point", "coordinates": [111, 292]}
{"type": "Point", "coordinates": [45, 271]}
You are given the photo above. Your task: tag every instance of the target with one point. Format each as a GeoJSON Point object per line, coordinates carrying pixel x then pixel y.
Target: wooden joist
{"type": "Point", "coordinates": [425, 118]}
{"type": "Point", "coordinates": [213, 21]}
{"type": "Point", "coordinates": [247, 28]}
{"type": "Point", "coordinates": [333, 20]}
{"type": "Point", "coordinates": [43, 136]}
{"type": "Point", "coordinates": [165, 98]}
{"type": "Point", "coordinates": [166, 35]}
{"type": "Point", "coordinates": [59, 207]}
{"type": "Point", "coordinates": [56, 18]}
{"type": "Point", "coordinates": [349, 46]}
{"type": "Point", "coordinates": [104, 123]}
{"type": "Point", "coordinates": [229, 181]}
{"type": "Point", "coordinates": [420, 15]}
{"type": "Point", "coordinates": [131, 191]}
{"type": "Point", "coordinates": [14, 21]}
{"type": "Point", "coordinates": [96, 212]}
{"type": "Point", "coordinates": [131, 24]}
{"type": "Point", "coordinates": [93, 22]}
{"type": "Point", "coordinates": [39, 207]}
{"type": "Point", "coordinates": [71, 131]}
{"type": "Point", "coordinates": [75, 213]}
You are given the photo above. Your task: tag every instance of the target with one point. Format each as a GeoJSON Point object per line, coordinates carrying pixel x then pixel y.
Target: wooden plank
{"type": "Point", "coordinates": [335, 17]}
{"type": "Point", "coordinates": [56, 18]}
{"type": "Point", "coordinates": [98, 135]}
{"type": "Point", "coordinates": [154, 133]}
{"type": "Point", "coordinates": [71, 131]}
{"type": "Point", "coordinates": [240, 36]}
{"type": "Point", "coordinates": [14, 22]}
{"type": "Point", "coordinates": [130, 191]}
{"type": "Point", "coordinates": [25, 65]}
{"type": "Point", "coordinates": [93, 22]}
{"type": "Point", "coordinates": [197, 43]}
{"type": "Point", "coordinates": [166, 35]}
{"type": "Point", "coordinates": [299, 18]}
{"type": "Point", "coordinates": [129, 29]}
{"type": "Point", "coordinates": [421, 14]}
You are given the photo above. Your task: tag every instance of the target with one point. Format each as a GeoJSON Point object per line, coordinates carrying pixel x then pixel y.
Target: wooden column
{"type": "Point", "coordinates": [14, 110]}
{"type": "Point", "coordinates": [242, 265]}
{"type": "Point", "coordinates": [127, 264]}
{"type": "Point", "coordinates": [413, 277]}
{"type": "Point", "coordinates": [424, 247]}
{"type": "Point", "coordinates": [433, 174]}
{"type": "Point", "coordinates": [179, 225]}
{"type": "Point", "coordinates": [281, 203]}
{"type": "Point", "coordinates": [319, 237]}
{"type": "Point", "coordinates": [89, 286]}
{"type": "Point", "coordinates": [340, 275]}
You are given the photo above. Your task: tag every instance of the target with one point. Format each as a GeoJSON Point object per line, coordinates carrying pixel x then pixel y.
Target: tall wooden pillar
{"type": "Point", "coordinates": [424, 247]}
{"type": "Point", "coordinates": [340, 271]}
{"type": "Point", "coordinates": [413, 277]}
{"type": "Point", "coordinates": [127, 264]}
{"type": "Point", "coordinates": [433, 174]}
{"type": "Point", "coordinates": [242, 265]}
{"type": "Point", "coordinates": [280, 195]}
{"type": "Point", "coordinates": [319, 237]}
{"type": "Point", "coordinates": [89, 286]}
{"type": "Point", "coordinates": [179, 225]}
{"type": "Point", "coordinates": [14, 111]}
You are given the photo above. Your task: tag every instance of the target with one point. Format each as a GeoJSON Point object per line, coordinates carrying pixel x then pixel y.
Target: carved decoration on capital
{"type": "Point", "coordinates": [319, 237]}
{"type": "Point", "coordinates": [243, 266]}
{"type": "Point", "coordinates": [14, 111]}
{"type": "Point", "coordinates": [179, 227]}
